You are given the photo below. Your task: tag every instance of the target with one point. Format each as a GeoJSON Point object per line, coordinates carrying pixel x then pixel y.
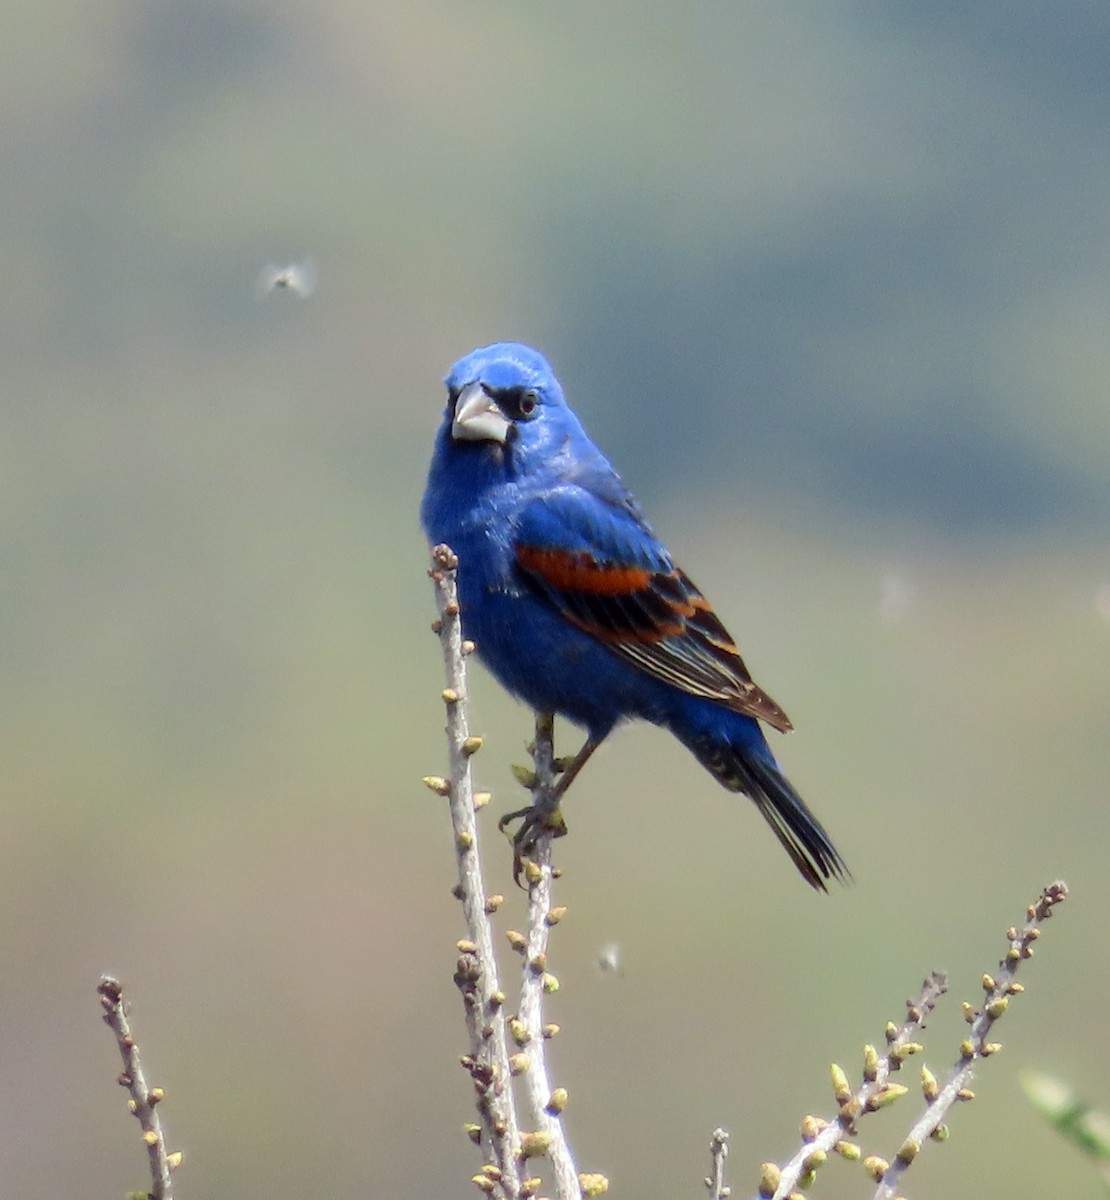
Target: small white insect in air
{"type": "Point", "coordinates": [299, 278]}
{"type": "Point", "coordinates": [609, 959]}
{"type": "Point", "coordinates": [896, 598]}
{"type": "Point", "coordinates": [1102, 603]}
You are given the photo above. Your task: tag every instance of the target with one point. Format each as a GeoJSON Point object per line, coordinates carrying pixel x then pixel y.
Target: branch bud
{"type": "Point", "coordinates": [814, 1160]}
{"type": "Point", "coordinates": [886, 1096]}
{"type": "Point", "coordinates": [907, 1152]}
{"type": "Point", "coordinates": [811, 1127]}
{"type": "Point", "coordinates": [876, 1167]}
{"type": "Point", "coordinates": [900, 1053]}
{"type": "Point", "coordinates": [535, 1144]}
{"type": "Point", "coordinates": [769, 1180]}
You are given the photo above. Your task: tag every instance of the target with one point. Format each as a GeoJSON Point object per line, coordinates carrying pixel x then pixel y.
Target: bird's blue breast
{"type": "Point", "coordinates": [473, 503]}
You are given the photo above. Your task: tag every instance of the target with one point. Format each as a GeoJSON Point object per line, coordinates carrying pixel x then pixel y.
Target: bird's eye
{"type": "Point", "coordinates": [517, 403]}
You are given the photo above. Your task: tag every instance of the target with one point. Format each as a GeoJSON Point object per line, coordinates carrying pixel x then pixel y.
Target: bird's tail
{"type": "Point", "coordinates": [754, 771]}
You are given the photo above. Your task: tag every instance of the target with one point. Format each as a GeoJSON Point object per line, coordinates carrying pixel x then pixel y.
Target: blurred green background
{"type": "Point", "coordinates": [830, 284]}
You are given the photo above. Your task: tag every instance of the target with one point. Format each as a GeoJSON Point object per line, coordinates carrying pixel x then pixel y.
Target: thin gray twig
{"type": "Point", "coordinates": [718, 1148]}
{"type": "Point", "coordinates": [877, 1090]}
{"type": "Point", "coordinates": [546, 1105]}
{"type": "Point", "coordinates": [143, 1098]}
{"type": "Point", "coordinates": [998, 989]}
{"type": "Point", "coordinates": [821, 1138]}
{"type": "Point", "coordinates": [476, 971]}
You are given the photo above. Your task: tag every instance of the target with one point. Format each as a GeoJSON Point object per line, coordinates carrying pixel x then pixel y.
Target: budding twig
{"type": "Point", "coordinates": [998, 989]}
{"type": "Point", "coordinates": [821, 1138]}
{"type": "Point", "coordinates": [718, 1148]}
{"type": "Point", "coordinates": [143, 1099]}
{"type": "Point", "coordinates": [546, 1105]}
{"type": "Point", "coordinates": [877, 1091]}
{"type": "Point", "coordinates": [476, 972]}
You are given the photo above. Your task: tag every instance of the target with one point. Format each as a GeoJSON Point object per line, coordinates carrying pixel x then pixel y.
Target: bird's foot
{"type": "Point", "coordinates": [535, 820]}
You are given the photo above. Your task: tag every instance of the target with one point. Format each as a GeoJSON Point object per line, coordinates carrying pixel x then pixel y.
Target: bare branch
{"type": "Point", "coordinates": [718, 1147]}
{"type": "Point", "coordinates": [143, 1098]}
{"type": "Point", "coordinates": [476, 971]}
{"type": "Point", "coordinates": [821, 1138]}
{"type": "Point", "coordinates": [877, 1091]}
{"type": "Point", "coordinates": [546, 1105]}
{"type": "Point", "coordinates": [998, 988]}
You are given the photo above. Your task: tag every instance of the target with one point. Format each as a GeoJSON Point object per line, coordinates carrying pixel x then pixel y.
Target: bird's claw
{"type": "Point", "coordinates": [534, 821]}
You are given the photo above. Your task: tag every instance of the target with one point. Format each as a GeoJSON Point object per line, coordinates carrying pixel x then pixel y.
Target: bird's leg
{"type": "Point", "coordinates": [575, 765]}
{"type": "Point", "coordinates": [543, 814]}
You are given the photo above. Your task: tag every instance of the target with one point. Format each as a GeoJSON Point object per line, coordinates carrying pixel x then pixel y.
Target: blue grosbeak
{"type": "Point", "coordinates": [574, 604]}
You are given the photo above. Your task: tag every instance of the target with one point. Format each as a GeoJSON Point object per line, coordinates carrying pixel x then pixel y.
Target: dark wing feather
{"type": "Point", "coordinates": [605, 571]}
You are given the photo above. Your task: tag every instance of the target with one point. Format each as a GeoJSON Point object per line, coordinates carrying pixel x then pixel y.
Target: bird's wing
{"type": "Point", "coordinates": [605, 571]}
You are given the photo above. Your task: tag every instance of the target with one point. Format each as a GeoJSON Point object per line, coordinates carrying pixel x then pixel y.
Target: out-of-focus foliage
{"type": "Point", "coordinates": [828, 282]}
{"type": "Point", "coordinates": [1084, 1127]}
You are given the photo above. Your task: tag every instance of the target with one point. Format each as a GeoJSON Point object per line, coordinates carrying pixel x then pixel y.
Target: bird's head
{"type": "Point", "coordinates": [506, 397]}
